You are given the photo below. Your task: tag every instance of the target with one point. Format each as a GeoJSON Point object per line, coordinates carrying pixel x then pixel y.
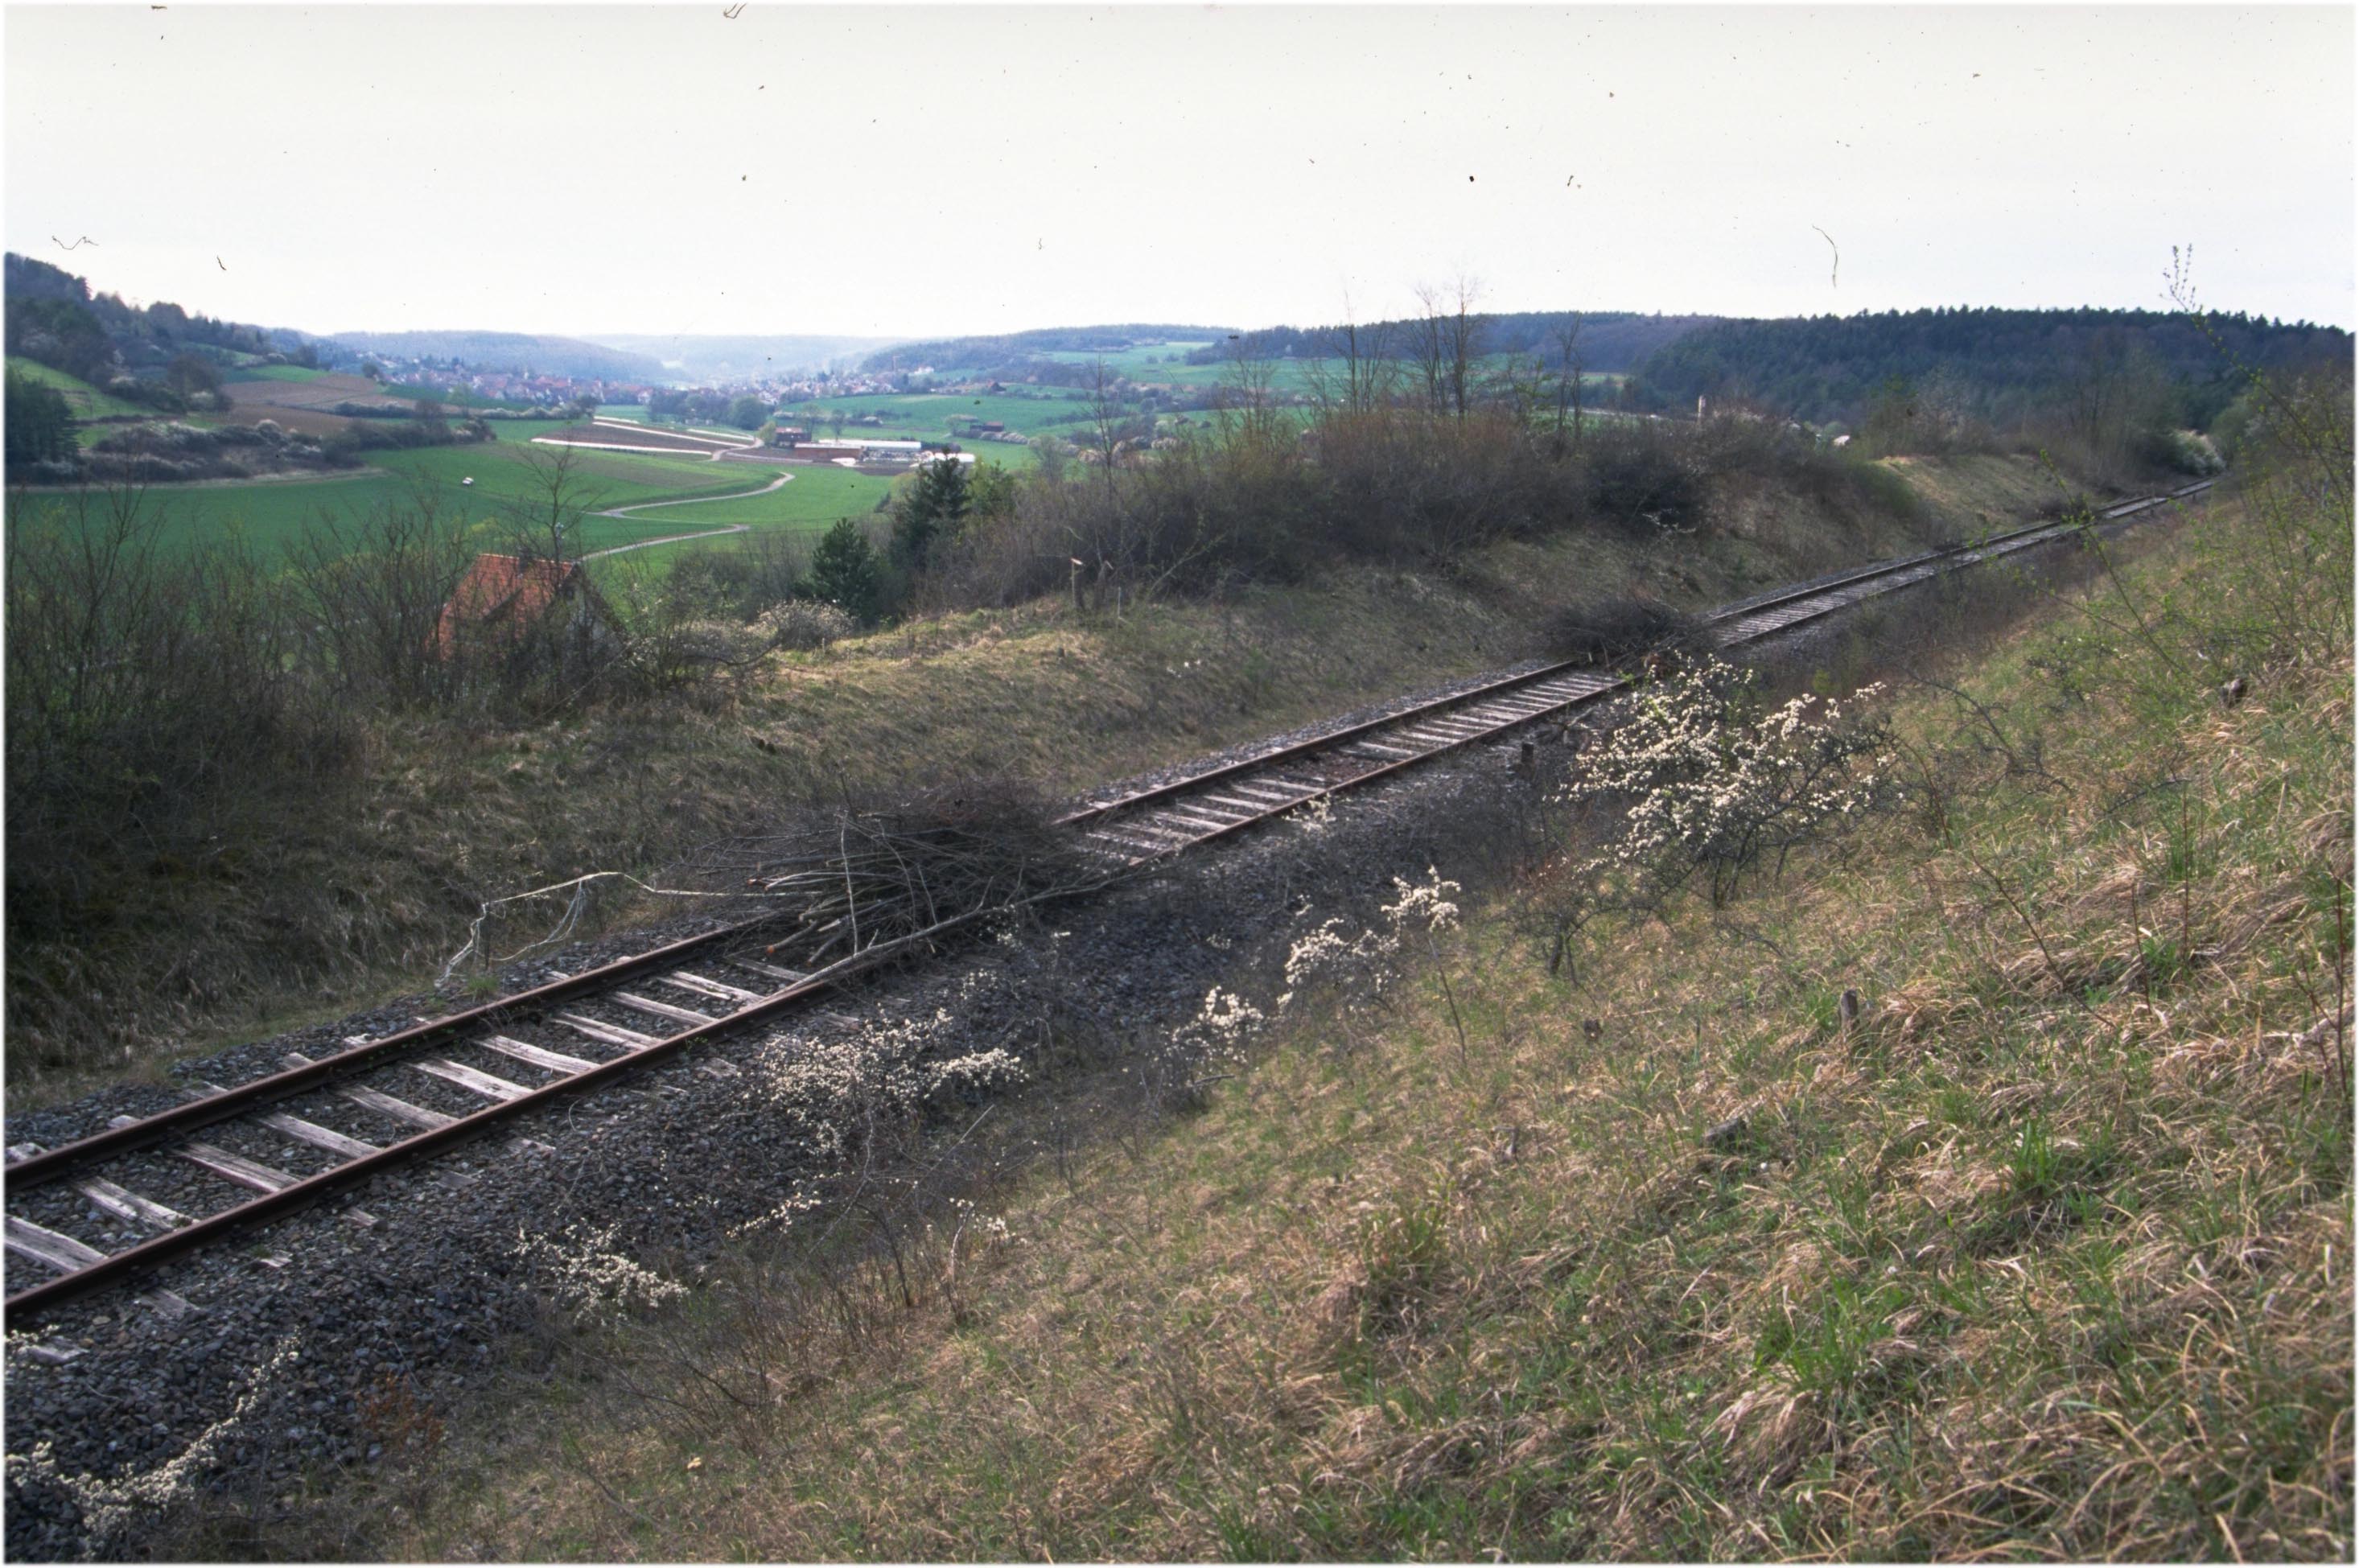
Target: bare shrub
{"type": "Point", "coordinates": [156, 705]}
{"type": "Point", "coordinates": [1641, 480]}
{"type": "Point", "coordinates": [1607, 630]}
{"type": "Point", "coordinates": [371, 591]}
{"type": "Point", "coordinates": [803, 625]}
{"type": "Point", "coordinates": [741, 577]}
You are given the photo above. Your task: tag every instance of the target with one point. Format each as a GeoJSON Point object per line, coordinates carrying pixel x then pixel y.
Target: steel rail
{"type": "Point", "coordinates": [311, 1190]}
{"type": "Point", "coordinates": [1099, 811]}
{"type": "Point", "coordinates": [52, 1164]}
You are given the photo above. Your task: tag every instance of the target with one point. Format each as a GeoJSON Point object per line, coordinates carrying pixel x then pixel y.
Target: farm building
{"type": "Point", "coordinates": [503, 598]}
{"type": "Point", "coordinates": [790, 435]}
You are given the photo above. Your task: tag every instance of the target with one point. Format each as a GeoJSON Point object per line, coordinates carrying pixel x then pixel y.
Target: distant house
{"type": "Point", "coordinates": [789, 435]}
{"type": "Point", "coordinates": [503, 598]}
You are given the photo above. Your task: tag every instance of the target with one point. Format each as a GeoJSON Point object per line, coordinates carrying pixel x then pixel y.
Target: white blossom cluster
{"type": "Point", "coordinates": [1365, 964]}
{"type": "Point", "coordinates": [1707, 783]}
{"type": "Point", "coordinates": [1314, 816]}
{"type": "Point", "coordinates": [1426, 904]}
{"type": "Point", "coordinates": [991, 1229]}
{"type": "Point", "coordinates": [592, 1278]}
{"type": "Point", "coordinates": [1215, 1038]}
{"type": "Point", "coordinates": [779, 1218]}
{"type": "Point", "coordinates": [833, 1092]}
{"type": "Point", "coordinates": [108, 1506]}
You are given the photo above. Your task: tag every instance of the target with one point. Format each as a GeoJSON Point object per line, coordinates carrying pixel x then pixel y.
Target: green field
{"type": "Point", "coordinates": [812, 497]}
{"type": "Point", "coordinates": [806, 504]}
{"type": "Point", "coordinates": [87, 402]}
{"type": "Point", "coordinates": [1287, 376]}
{"type": "Point", "coordinates": [273, 514]}
{"type": "Point", "coordinates": [1143, 364]}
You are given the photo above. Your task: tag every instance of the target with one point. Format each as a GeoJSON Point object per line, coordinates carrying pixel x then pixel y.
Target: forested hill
{"type": "Point", "coordinates": [53, 317]}
{"type": "Point", "coordinates": [511, 350]}
{"type": "Point", "coordinates": [1608, 340]}
{"type": "Point", "coordinates": [1998, 364]}
{"type": "Point", "coordinates": [1010, 349]}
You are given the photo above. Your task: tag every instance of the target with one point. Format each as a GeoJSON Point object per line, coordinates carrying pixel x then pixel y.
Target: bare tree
{"type": "Point", "coordinates": [1448, 341]}
{"type": "Point", "coordinates": [1464, 333]}
{"type": "Point", "coordinates": [1568, 378]}
{"type": "Point", "coordinates": [1356, 370]}
{"type": "Point", "coordinates": [1248, 398]}
{"type": "Point", "coordinates": [1429, 343]}
{"type": "Point", "coordinates": [1105, 418]}
{"type": "Point", "coordinates": [546, 521]}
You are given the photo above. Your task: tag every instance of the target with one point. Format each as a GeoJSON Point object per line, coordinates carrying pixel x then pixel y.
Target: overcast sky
{"type": "Point", "coordinates": [908, 172]}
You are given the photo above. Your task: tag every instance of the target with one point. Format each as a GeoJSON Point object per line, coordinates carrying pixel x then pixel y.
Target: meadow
{"type": "Point", "coordinates": [86, 401]}
{"type": "Point", "coordinates": [272, 514]}
{"type": "Point", "coordinates": [809, 503]}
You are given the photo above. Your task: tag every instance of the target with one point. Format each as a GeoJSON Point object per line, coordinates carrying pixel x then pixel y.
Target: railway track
{"type": "Point", "coordinates": [151, 1188]}
{"type": "Point", "coordinates": [1169, 819]}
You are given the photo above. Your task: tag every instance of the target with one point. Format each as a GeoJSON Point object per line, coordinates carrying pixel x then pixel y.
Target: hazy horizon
{"type": "Point", "coordinates": [913, 173]}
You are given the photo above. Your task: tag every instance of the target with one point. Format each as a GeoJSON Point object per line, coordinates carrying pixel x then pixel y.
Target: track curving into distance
{"type": "Point", "coordinates": [323, 1127]}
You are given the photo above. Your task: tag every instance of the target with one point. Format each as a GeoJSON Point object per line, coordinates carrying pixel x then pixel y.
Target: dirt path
{"type": "Point", "coordinates": [721, 533]}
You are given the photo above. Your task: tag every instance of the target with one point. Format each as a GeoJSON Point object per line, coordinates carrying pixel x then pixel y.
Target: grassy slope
{"type": "Point", "coordinates": [296, 373]}
{"type": "Point", "coordinates": [86, 401]}
{"type": "Point", "coordinates": [816, 495]}
{"type": "Point", "coordinates": [2049, 1254]}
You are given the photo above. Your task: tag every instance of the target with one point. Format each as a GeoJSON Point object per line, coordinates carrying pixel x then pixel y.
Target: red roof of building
{"type": "Point", "coordinates": [505, 591]}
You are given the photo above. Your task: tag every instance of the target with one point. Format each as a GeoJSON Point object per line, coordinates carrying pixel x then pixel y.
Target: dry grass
{"type": "Point", "coordinates": [2046, 1255]}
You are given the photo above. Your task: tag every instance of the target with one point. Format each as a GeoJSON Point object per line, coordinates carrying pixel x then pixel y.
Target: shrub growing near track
{"type": "Point", "coordinates": [1696, 778]}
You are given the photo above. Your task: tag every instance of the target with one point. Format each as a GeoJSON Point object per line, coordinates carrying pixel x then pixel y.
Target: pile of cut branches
{"type": "Point", "coordinates": [845, 879]}
{"type": "Point", "coordinates": [1608, 629]}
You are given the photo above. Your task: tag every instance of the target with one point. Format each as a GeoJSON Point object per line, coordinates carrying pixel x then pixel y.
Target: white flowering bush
{"type": "Point", "coordinates": [1206, 1049]}
{"type": "Point", "coordinates": [1427, 906]}
{"type": "Point", "coordinates": [836, 1093]}
{"type": "Point", "coordinates": [803, 623]}
{"type": "Point", "coordinates": [590, 1276]}
{"type": "Point", "coordinates": [109, 1504]}
{"type": "Point", "coordinates": [1314, 816]}
{"type": "Point", "coordinates": [1708, 782]}
{"type": "Point", "coordinates": [1359, 968]}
